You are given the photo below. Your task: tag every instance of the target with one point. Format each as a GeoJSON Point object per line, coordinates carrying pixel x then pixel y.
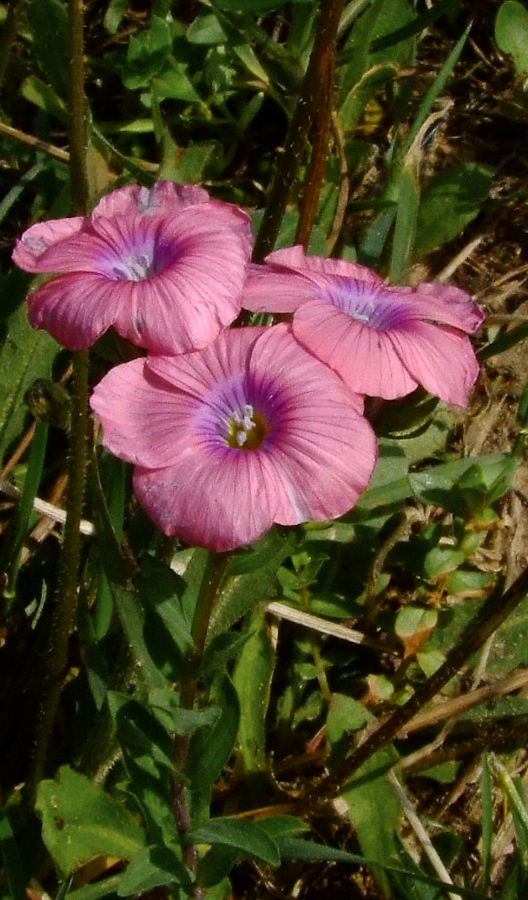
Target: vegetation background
{"type": "Point", "coordinates": [357, 720]}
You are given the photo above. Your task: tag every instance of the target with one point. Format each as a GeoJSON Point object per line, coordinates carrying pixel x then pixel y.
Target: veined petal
{"type": "Point", "coordinates": [76, 309]}
{"type": "Point", "coordinates": [294, 259]}
{"type": "Point", "coordinates": [442, 303]}
{"type": "Point", "coordinates": [185, 305]}
{"type": "Point", "coordinates": [32, 249]}
{"type": "Point", "coordinates": [145, 421]}
{"type": "Point", "coordinates": [441, 360]}
{"type": "Point", "coordinates": [363, 357]}
{"type": "Point", "coordinates": [267, 290]}
{"type": "Point", "coordinates": [229, 505]}
{"type": "Point", "coordinates": [163, 198]}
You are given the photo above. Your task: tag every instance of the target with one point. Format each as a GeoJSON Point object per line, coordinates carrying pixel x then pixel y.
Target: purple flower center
{"type": "Point", "coordinates": [138, 266]}
{"type": "Point", "coordinates": [141, 251]}
{"type": "Point", "coordinates": [374, 306]}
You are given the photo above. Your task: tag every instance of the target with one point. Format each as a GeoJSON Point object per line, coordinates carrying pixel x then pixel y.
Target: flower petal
{"type": "Point", "coordinates": [213, 502]}
{"type": "Point", "coordinates": [185, 306]}
{"type": "Point", "coordinates": [75, 309]}
{"type": "Point", "coordinates": [163, 198]}
{"type": "Point", "coordinates": [146, 421]}
{"type": "Point", "coordinates": [362, 356]}
{"type": "Point", "coordinates": [31, 250]}
{"type": "Point", "coordinates": [294, 259]}
{"type": "Point", "coordinates": [441, 360]}
{"type": "Point", "coordinates": [442, 303]}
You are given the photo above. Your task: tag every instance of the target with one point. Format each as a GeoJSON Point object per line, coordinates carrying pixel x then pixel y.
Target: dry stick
{"type": "Point", "coordinates": [65, 604]}
{"type": "Point", "coordinates": [314, 90]}
{"type": "Point", "coordinates": [493, 613]}
{"type": "Point", "coordinates": [35, 143]}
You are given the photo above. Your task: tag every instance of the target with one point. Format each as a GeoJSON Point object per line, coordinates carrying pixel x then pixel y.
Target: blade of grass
{"type": "Point", "coordinates": [25, 509]}
{"type": "Point", "coordinates": [487, 821]}
{"type": "Point", "coordinates": [405, 228]}
{"type": "Point", "coordinates": [12, 862]}
{"type": "Point", "coordinates": [435, 90]}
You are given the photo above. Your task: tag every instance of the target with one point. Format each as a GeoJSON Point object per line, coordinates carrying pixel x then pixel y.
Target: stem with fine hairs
{"type": "Point", "coordinates": [65, 602]}
{"type": "Point", "coordinates": [314, 106]}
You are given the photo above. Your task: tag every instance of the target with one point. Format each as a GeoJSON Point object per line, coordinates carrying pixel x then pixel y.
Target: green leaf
{"type": "Point", "coordinates": [441, 560]}
{"type": "Point", "coordinates": [297, 848]}
{"type": "Point", "coordinates": [247, 838]}
{"type": "Point", "coordinates": [132, 618]}
{"type": "Point", "coordinates": [435, 90]}
{"type": "Point", "coordinates": [175, 84]}
{"type": "Point", "coordinates": [114, 14]}
{"type": "Point", "coordinates": [372, 807]}
{"type": "Point", "coordinates": [211, 747]}
{"type": "Point", "coordinates": [153, 867]}
{"type": "Point", "coordinates": [81, 822]}
{"type": "Point", "coordinates": [411, 620]}
{"type": "Point", "coordinates": [255, 7]}
{"type": "Point", "coordinates": [44, 97]}
{"type": "Point", "coordinates": [405, 226]}
{"type": "Point", "coordinates": [25, 356]}
{"type": "Point", "coordinates": [108, 887]}
{"type": "Point", "coordinates": [441, 8]}
{"type": "Point", "coordinates": [147, 54]}
{"type": "Point", "coordinates": [206, 29]}
{"type": "Point", "coordinates": [48, 21]}
{"type": "Point", "coordinates": [449, 202]}
{"type": "Point", "coordinates": [250, 579]}
{"type": "Point", "coordinates": [281, 827]}
{"type": "Point", "coordinates": [13, 866]}
{"type": "Point", "coordinates": [10, 556]}
{"type": "Point", "coordinates": [511, 33]}
{"type": "Point", "coordinates": [435, 485]}
{"type": "Point", "coordinates": [252, 681]}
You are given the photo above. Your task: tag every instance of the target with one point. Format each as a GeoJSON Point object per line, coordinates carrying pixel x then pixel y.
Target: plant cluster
{"type": "Point", "coordinates": [267, 610]}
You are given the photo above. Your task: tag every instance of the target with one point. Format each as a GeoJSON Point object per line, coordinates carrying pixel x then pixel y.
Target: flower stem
{"type": "Point", "coordinates": [314, 105]}
{"type": "Point", "coordinates": [215, 570]}
{"type": "Point", "coordinates": [65, 602]}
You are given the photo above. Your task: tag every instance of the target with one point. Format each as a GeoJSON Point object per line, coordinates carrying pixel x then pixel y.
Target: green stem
{"type": "Point", "coordinates": [314, 101]}
{"type": "Point", "coordinates": [494, 612]}
{"type": "Point", "coordinates": [215, 570]}
{"type": "Point", "coordinates": [65, 603]}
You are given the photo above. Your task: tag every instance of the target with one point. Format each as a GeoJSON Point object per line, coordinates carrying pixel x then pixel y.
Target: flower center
{"type": "Point", "coordinates": [135, 268]}
{"type": "Point", "coordinates": [246, 429]}
{"type": "Point", "coordinates": [366, 303]}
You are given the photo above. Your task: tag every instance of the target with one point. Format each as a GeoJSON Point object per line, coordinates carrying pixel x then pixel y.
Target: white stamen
{"type": "Point", "coordinates": [364, 314]}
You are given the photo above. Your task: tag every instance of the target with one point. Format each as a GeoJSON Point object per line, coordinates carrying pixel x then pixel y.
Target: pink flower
{"type": "Point", "coordinates": [383, 341]}
{"type": "Point", "coordinates": [228, 440]}
{"type": "Point", "coordinates": [164, 266]}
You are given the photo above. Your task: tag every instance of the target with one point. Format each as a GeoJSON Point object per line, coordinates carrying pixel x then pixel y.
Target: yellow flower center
{"type": "Point", "coordinates": [247, 429]}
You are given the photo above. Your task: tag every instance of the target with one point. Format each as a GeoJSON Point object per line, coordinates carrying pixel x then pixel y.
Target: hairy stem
{"type": "Point", "coordinates": [313, 105]}
{"type": "Point", "coordinates": [65, 603]}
